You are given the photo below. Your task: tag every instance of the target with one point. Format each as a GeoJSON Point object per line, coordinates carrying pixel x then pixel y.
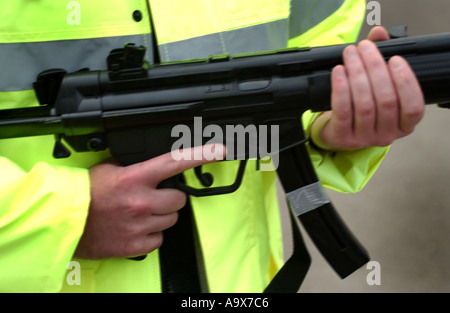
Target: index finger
{"type": "Point", "coordinates": [172, 163]}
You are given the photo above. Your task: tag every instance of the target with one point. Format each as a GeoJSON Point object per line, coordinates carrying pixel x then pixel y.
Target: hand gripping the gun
{"type": "Point", "coordinates": [128, 212]}
{"type": "Point", "coordinates": [390, 100]}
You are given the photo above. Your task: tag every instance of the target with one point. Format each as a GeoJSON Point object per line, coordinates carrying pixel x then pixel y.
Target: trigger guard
{"type": "Point", "coordinates": [214, 191]}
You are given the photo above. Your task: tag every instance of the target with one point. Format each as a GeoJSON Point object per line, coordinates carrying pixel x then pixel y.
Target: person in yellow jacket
{"type": "Point", "coordinates": [99, 213]}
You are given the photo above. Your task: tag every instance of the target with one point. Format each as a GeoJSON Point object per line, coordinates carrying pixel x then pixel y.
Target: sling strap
{"type": "Point", "coordinates": [290, 277]}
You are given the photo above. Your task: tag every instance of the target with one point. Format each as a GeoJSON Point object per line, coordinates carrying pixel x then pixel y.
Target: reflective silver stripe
{"type": "Point", "coordinates": [20, 67]}
{"type": "Point", "coordinates": [305, 14]}
{"type": "Point", "coordinates": [307, 198]}
{"type": "Point", "coordinates": [261, 37]}
{"type": "Point", "coordinates": [22, 62]}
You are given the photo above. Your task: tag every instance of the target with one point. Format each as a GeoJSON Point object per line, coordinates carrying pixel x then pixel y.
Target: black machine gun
{"type": "Point", "coordinates": [131, 109]}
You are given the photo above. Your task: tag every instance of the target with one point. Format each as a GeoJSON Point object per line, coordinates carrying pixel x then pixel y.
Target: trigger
{"type": "Point", "coordinates": [205, 178]}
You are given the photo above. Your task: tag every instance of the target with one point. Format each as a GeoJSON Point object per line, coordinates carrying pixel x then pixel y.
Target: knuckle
{"type": "Point", "coordinates": [179, 199]}
{"type": "Point", "coordinates": [137, 206]}
{"type": "Point", "coordinates": [133, 248]}
{"type": "Point", "coordinates": [358, 72]}
{"type": "Point", "coordinates": [401, 79]}
{"type": "Point", "coordinates": [126, 179]}
{"type": "Point", "coordinates": [388, 101]}
{"type": "Point", "coordinates": [349, 145]}
{"type": "Point", "coordinates": [354, 143]}
{"type": "Point", "coordinates": [347, 142]}
{"type": "Point", "coordinates": [364, 140]}
{"type": "Point", "coordinates": [124, 247]}
{"type": "Point", "coordinates": [172, 220]}
{"type": "Point", "coordinates": [131, 231]}
{"type": "Point", "coordinates": [140, 247]}
{"type": "Point", "coordinates": [173, 166]}
{"type": "Point", "coordinates": [373, 61]}
{"type": "Point", "coordinates": [155, 242]}
{"type": "Point", "coordinates": [385, 141]}
{"type": "Point", "coordinates": [172, 201]}
{"type": "Point", "coordinates": [343, 114]}
{"type": "Point", "coordinates": [365, 107]}
{"type": "Point", "coordinates": [413, 112]}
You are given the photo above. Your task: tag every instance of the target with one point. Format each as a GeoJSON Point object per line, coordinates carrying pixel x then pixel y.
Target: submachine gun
{"type": "Point", "coordinates": [131, 109]}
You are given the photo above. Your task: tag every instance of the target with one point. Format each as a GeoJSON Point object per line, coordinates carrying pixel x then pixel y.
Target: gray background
{"type": "Point", "coordinates": [402, 216]}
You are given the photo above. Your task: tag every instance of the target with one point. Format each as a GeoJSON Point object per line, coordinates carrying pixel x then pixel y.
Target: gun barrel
{"type": "Point", "coordinates": [24, 127]}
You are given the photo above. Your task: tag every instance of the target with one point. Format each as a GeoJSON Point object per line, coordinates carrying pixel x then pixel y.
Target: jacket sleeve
{"type": "Point", "coordinates": [341, 171]}
{"type": "Point", "coordinates": [347, 171]}
{"type": "Point", "coordinates": [40, 224]}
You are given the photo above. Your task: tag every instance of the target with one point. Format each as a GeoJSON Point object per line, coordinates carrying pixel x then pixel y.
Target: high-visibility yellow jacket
{"type": "Point", "coordinates": [44, 202]}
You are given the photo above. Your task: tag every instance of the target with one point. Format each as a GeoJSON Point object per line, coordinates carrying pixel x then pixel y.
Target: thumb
{"type": "Point", "coordinates": [378, 33]}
